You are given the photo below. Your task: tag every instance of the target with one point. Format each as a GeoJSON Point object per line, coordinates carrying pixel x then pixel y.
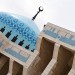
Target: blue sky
{"type": "Point", "coordinates": [59, 12]}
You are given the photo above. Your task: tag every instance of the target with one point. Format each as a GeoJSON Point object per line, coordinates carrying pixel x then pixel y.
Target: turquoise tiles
{"type": "Point", "coordinates": [64, 39]}
{"type": "Point", "coordinates": [17, 55]}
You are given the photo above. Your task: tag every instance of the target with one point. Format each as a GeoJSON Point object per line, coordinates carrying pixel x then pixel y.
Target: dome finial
{"type": "Point", "coordinates": [40, 10]}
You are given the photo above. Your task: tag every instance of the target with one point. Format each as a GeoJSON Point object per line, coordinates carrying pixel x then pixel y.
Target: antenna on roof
{"type": "Point", "coordinates": [40, 10]}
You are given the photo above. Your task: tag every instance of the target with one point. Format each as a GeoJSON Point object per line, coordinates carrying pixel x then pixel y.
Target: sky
{"type": "Point", "coordinates": [59, 12]}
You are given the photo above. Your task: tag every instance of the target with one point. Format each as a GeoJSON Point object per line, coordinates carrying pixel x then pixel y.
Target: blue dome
{"type": "Point", "coordinates": [19, 29]}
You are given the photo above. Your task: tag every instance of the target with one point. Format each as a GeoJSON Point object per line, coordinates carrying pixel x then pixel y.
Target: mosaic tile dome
{"type": "Point", "coordinates": [20, 30]}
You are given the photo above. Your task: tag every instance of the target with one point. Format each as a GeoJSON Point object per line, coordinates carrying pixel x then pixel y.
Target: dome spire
{"type": "Point", "coordinates": [40, 10]}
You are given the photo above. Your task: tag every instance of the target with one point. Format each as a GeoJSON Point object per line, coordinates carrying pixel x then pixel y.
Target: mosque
{"type": "Point", "coordinates": [24, 50]}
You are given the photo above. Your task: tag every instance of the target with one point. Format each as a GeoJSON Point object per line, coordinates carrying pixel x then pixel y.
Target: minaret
{"type": "Point", "coordinates": [8, 34]}
{"type": "Point", "coordinates": [32, 50]}
{"type": "Point", "coordinates": [21, 43]}
{"type": "Point", "coordinates": [14, 38]}
{"type": "Point", "coordinates": [27, 47]}
{"type": "Point", "coordinates": [2, 29]}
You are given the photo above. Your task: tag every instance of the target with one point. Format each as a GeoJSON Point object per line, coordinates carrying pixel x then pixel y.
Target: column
{"type": "Point", "coordinates": [56, 51]}
{"type": "Point", "coordinates": [10, 67]}
{"type": "Point", "coordinates": [24, 71]}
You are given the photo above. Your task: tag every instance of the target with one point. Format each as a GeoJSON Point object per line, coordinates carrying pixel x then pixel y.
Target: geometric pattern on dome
{"type": "Point", "coordinates": [20, 27]}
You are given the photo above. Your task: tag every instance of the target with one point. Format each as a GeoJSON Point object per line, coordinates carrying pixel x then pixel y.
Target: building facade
{"type": "Point", "coordinates": [54, 54]}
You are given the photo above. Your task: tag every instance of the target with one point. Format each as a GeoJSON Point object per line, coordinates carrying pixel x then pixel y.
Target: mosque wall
{"type": "Point", "coordinates": [63, 60]}
{"type": "Point", "coordinates": [54, 54]}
